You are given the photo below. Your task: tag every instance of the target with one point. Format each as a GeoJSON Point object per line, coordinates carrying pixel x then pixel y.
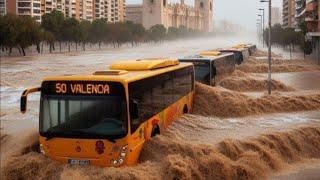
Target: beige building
{"type": "Point", "coordinates": [275, 16]}
{"type": "Point", "coordinates": [288, 13]}
{"type": "Point", "coordinates": [153, 12]}
{"type": "Point", "coordinates": [134, 13]}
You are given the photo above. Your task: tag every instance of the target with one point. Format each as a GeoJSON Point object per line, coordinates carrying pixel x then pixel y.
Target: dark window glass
{"type": "Point", "coordinates": [156, 93]}
{"type": "Point", "coordinates": [87, 117]}
{"type": "Point", "coordinates": [202, 72]}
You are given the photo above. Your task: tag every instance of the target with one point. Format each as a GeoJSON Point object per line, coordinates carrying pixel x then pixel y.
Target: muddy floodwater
{"type": "Point", "coordinates": [236, 130]}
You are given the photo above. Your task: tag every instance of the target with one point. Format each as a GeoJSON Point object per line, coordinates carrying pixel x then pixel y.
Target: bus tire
{"type": "Point", "coordinates": [185, 109]}
{"type": "Point", "coordinates": [155, 130]}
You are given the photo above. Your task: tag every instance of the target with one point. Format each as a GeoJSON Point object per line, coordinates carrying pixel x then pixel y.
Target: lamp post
{"type": "Point", "coordinates": [261, 9]}
{"type": "Point", "coordinates": [262, 29]}
{"type": "Point", "coordinates": [269, 47]}
{"type": "Point", "coordinates": [259, 29]}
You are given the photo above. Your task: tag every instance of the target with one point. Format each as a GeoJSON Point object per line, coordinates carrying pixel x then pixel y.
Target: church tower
{"type": "Point", "coordinates": [205, 8]}
{"type": "Point", "coordinates": [153, 12]}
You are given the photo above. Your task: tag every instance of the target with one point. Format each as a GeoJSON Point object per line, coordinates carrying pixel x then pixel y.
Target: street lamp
{"type": "Point", "coordinates": [262, 29]}
{"type": "Point", "coordinates": [261, 9]}
{"type": "Point", "coordinates": [269, 47]}
{"type": "Point", "coordinates": [259, 29]}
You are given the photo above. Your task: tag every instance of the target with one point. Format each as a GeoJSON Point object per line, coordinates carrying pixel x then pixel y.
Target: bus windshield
{"type": "Point", "coordinates": [83, 116]}
{"type": "Point", "coordinates": [202, 72]}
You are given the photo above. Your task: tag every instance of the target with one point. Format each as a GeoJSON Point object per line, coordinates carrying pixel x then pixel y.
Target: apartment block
{"type": "Point", "coordinates": [99, 9]}
{"type": "Point", "coordinates": [312, 13]}
{"type": "Point", "coordinates": [300, 13]}
{"type": "Point", "coordinates": [111, 10]}
{"type": "Point", "coordinates": [275, 16]}
{"type": "Point", "coordinates": [288, 13]}
{"type": "Point", "coordinates": [3, 5]}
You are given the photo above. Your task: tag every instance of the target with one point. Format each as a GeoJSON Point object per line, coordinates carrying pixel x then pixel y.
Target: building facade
{"type": "Point", "coordinates": [288, 13]}
{"type": "Point", "coordinates": [153, 12]}
{"type": "Point", "coordinates": [275, 16]}
{"type": "Point", "coordinates": [111, 10]}
{"type": "Point", "coordinates": [312, 14]}
{"type": "Point", "coordinates": [300, 13]}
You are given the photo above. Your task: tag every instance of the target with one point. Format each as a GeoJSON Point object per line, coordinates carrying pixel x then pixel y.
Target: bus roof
{"type": "Point", "coordinates": [206, 58]}
{"type": "Point", "coordinates": [143, 64]}
{"type": "Point", "coordinates": [124, 76]}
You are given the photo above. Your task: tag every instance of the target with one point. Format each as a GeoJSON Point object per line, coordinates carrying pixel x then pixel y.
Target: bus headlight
{"type": "Point", "coordinates": [122, 155]}
{"type": "Point", "coordinates": [42, 149]}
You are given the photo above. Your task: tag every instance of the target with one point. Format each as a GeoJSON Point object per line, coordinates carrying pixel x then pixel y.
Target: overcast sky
{"type": "Point", "coordinates": [242, 12]}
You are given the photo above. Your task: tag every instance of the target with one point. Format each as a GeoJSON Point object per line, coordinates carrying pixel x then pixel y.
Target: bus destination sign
{"type": "Point", "coordinates": [81, 88]}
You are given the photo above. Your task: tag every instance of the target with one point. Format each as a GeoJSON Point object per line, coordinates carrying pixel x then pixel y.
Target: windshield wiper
{"type": "Point", "coordinates": [92, 134]}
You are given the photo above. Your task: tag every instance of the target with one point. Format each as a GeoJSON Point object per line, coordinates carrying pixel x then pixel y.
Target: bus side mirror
{"type": "Point", "coordinates": [23, 104]}
{"type": "Point", "coordinates": [134, 110]}
{"type": "Point", "coordinates": [23, 99]}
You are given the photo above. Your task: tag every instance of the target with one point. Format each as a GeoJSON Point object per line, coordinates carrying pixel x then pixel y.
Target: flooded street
{"type": "Point", "coordinates": [236, 129]}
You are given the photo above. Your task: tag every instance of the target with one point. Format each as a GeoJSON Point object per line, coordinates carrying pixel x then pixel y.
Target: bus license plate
{"type": "Point", "coordinates": [78, 162]}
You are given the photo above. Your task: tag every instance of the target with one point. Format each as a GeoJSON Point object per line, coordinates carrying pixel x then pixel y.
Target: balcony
{"type": "Point", "coordinates": [312, 6]}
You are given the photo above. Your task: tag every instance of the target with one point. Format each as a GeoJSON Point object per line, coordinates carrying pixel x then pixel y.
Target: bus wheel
{"type": "Point", "coordinates": [155, 130]}
{"type": "Point", "coordinates": [185, 109]}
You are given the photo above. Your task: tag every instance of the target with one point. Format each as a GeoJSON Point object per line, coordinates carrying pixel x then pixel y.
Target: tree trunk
{"type": "Point", "coordinates": [76, 46]}
{"type": "Point", "coordinates": [38, 48]}
{"type": "Point", "coordinates": [84, 46]}
{"type": "Point", "coordinates": [60, 45]}
{"type": "Point", "coordinates": [23, 52]}
{"type": "Point", "coordinates": [99, 45]}
{"type": "Point", "coordinates": [19, 50]}
{"type": "Point", "coordinates": [69, 46]}
{"type": "Point", "coordinates": [10, 50]}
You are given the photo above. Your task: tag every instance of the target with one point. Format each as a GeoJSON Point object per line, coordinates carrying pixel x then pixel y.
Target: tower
{"type": "Point", "coordinates": [153, 12]}
{"type": "Point", "coordinates": [205, 8]}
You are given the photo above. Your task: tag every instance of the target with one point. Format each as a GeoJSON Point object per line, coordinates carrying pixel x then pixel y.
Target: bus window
{"type": "Point", "coordinates": [202, 72]}
{"type": "Point", "coordinates": [182, 83]}
{"type": "Point", "coordinates": [152, 95]}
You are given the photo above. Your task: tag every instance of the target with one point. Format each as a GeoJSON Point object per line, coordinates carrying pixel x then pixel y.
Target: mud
{"type": "Point", "coordinates": [217, 101]}
{"type": "Point", "coordinates": [241, 81]}
{"type": "Point", "coordinates": [259, 53]}
{"type": "Point", "coordinates": [209, 143]}
{"type": "Point", "coordinates": [255, 65]}
{"type": "Point", "coordinates": [166, 157]}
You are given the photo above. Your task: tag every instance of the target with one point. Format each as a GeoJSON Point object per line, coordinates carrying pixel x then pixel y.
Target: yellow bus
{"type": "Point", "coordinates": [104, 119]}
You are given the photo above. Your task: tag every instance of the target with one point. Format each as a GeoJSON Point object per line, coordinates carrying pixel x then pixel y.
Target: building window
{"type": "Point", "coordinates": [36, 11]}
{"type": "Point", "coordinates": [36, 5]}
{"type": "Point", "coordinates": [201, 4]}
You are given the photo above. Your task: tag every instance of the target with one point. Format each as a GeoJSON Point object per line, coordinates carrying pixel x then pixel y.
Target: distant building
{"type": "Point", "coordinates": [3, 9]}
{"type": "Point", "coordinates": [134, 13]}
{"type": "Point", "coordinates": [111, 10]}
{"type": "Point", "coordinates": [312, 14]}
{"type": "Point", "coordinates": [152, 12]}
{"type": "Point", "coordinates": [288, 13]}
{"type": "Point", "coordinates": [276, 16]}
{"type": "Point", "coordinates": [300, 13]}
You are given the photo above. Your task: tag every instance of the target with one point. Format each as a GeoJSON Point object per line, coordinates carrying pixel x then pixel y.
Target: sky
{"type": "Point", "coordinates": [243, 12]}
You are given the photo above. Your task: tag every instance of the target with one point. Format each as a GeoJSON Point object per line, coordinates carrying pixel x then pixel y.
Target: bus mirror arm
{"type": "Point", "coordinates": [134, 110]}
{"type": "Point", "coordinates": [23, 100]}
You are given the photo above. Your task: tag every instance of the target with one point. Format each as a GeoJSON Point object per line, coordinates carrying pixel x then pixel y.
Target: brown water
{"type": "Point", "coordinates": [230, 135]}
